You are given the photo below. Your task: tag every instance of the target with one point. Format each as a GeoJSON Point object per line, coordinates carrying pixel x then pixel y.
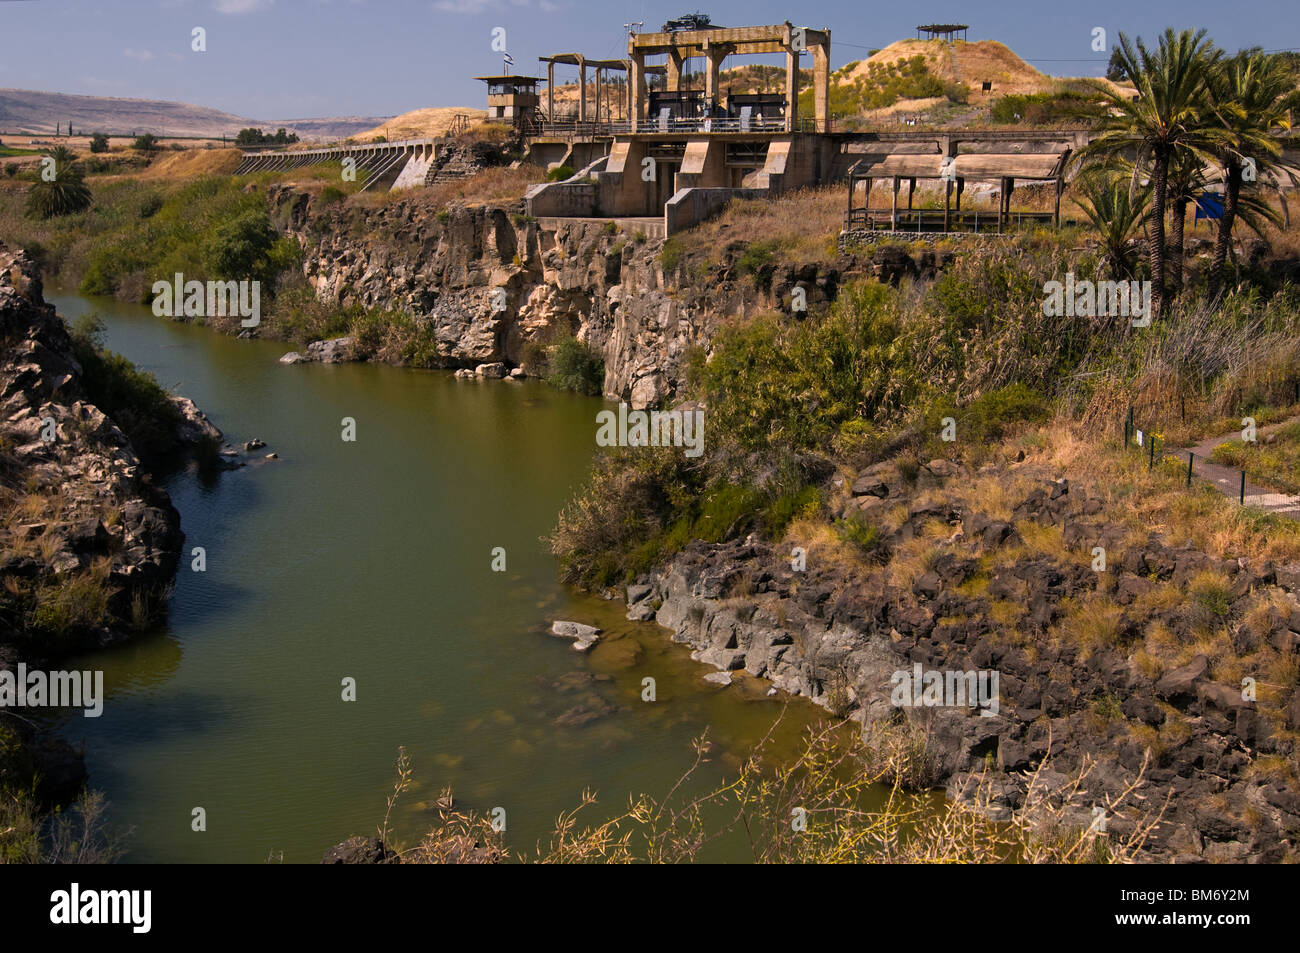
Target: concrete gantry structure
{"type": "Point", "coordinates": [601, 67]}
{"type": "Point", "coordinates": [400, 164]}
{"type": "Point", "coordinates": [715, 44]}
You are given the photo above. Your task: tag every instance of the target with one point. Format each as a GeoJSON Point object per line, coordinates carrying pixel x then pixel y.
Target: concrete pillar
{"type": "Point", "coordinates": [791, 89]}
{"type": "Point", "coordinates": [636, 89]}
{"type": "Point", "coordinates": [550, 92]}
{"type": "Point", "coordinates": [582, 89]}
{"type": "Point", "coordinates": [822, 86]}
{"type": "Point", "coordinates": [893, 210]}
{"type": "Point", "coordinates": [713, 61]}
{"type": "Point", "coordinates": [674, 78]}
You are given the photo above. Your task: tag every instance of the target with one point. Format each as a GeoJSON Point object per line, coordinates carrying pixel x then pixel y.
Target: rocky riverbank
{"type": "Point", "coordinates": [88, 542]}
{"type": "Point", "coordinates": [1013, 589]}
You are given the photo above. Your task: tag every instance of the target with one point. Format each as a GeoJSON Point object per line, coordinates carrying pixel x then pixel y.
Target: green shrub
{"type": "Point", "coordinates": [560, 173]}
{"type": "Point", "coordinates": [132, 398]}
{"type": "Point", "coordinates": [671, 254]}
{"type": "Point", "coordinates": [576, 366]}
{"type": "Point", "coordinates": [868, 539]}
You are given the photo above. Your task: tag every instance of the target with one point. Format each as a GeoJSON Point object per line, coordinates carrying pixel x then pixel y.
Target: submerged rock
{"type": "Point", "coordinates": [585, 636]}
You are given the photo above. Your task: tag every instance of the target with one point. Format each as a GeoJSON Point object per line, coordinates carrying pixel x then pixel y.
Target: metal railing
{"type": "Point", "coordinates": [933, 220]}
{"type": "Point", "coordinates": [721, 124]}
{"type": "Point", "coordinates": [1236, 486]}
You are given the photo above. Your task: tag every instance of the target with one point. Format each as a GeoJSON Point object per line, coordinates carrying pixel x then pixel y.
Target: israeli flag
{"type": "Point", "coordinates": [510, 60]}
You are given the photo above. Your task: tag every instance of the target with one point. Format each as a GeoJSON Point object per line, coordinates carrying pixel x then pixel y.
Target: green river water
{"type": "Point", "coordinates": [372, 560]}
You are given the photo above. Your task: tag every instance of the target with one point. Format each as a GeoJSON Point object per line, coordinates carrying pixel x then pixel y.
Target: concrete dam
{"type": "Point", "coordinates": [404, 164]}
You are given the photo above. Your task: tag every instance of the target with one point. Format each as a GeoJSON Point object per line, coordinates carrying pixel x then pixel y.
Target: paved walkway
{"type": "Point", "coordinates": [1228, 479]}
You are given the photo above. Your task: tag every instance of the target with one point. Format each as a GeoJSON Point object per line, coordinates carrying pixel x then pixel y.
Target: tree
{"type": "Point", "coordinates": [1116, 210]}
{"type": "Point", "coordinates": [1115, 68]}
{"type": "Point", "coordinates": [65, 160]}
{"type": "Point", "coordinates": [1252, 94]}
{"type": "Point", "coordinates": [146, 143]}
{"type": "Point", "coordinates": [1186, 180]}
{"type": "Point", "coordinates": [1169, 113]}
{"type": "Point", "coordinates": [65, 194]}
{"type": "Point", "coordinates": [99, 143]}
{"type": "Point", "coordinates": [240, 248]}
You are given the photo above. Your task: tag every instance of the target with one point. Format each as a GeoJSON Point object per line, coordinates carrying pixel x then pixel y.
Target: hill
{"type": "Point", "coordinates": [419, 123]}
{"type": "Point", "coordinates": [37, 113]}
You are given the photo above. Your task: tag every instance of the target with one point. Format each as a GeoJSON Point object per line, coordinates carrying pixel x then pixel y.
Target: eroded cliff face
{"type": "Point", "coordinates": [81, 504]}
{"type": "Point", "coordinates": [602, 285]}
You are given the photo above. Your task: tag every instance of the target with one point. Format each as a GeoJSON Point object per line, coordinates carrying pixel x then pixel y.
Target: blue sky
{"type": "Point", "coordinates": [270, 59]}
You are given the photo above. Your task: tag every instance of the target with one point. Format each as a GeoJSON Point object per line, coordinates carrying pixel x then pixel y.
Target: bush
{"type": "Point", "coordinates": [576, 366]}
{"type": "Point", "coordinates": [133, 398]}
{"type": "Point", "coordinates": [671, 254]}
{"type": "Point", "coordinates": [560, 173]}
{"type": "Point", "coordinates": [98, 143]}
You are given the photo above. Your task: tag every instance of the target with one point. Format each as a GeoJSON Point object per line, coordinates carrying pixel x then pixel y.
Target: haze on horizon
{"type": "Point", "coordinates": [309, 58]}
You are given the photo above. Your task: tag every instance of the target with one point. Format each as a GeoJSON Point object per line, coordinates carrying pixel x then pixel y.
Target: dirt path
{"type": "Point", "coordinates": [1228, 479]}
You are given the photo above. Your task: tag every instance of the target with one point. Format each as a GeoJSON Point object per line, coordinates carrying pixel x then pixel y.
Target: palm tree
{"type": "Point", "coordinates": [64, 195]}
{"type": "Point", "coordinates": [1252, 94]}
{"type": "Point", "coordinates": [1116, 211]}
{"type": "Point", "coordinates": [1186, 180]}
{"type": "Point", "coordinates": [66, 192]}
{"type": "Point", "coordinates": [1167, 114]}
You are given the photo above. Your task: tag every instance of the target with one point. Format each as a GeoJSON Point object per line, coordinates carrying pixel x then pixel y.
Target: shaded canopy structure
{"type": "Point", "coordinates": [1004, 168]}
{"type": "Point", "coordinates": [943, 31]}
{"type": "Point", "coordinates": [583, 64]}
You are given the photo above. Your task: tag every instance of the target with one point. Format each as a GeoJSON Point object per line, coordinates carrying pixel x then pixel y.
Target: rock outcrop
{"type": "Point", "coordinates": [983, 601]}
{"type": "Point", "coordinates": [78, 492]}
{"type": "Point", "coordinates": [493, 282]}
{"type": "Point", "coordinates": [88, 543]}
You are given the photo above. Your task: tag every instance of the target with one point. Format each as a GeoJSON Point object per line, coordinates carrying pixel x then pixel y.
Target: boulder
{"type": "Point", "coordinates": [870, 485]}
{"type": "Point", "coordinates": [495, 371]}
{"type": "Point", "coordinates": [584, 636]}
{"type": "Point", "coordinates": [1180, 684]}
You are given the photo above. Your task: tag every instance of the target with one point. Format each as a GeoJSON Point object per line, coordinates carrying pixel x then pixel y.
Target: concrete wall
{"type": "Point", "coordinates": [562, 199]}
{"type": "Point", "coordinates": [692, 206]}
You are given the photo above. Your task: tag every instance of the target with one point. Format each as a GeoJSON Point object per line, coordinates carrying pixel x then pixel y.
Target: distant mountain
{"type": "Point", "coordinates": [30, 111]}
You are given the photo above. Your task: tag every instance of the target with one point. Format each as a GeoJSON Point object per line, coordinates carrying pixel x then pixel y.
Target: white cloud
{"type": "Point", "coordinates": [137, 54]}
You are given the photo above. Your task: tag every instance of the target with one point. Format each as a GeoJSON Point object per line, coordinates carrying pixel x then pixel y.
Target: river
{"type": "Point", "coordinates": [372, 560]}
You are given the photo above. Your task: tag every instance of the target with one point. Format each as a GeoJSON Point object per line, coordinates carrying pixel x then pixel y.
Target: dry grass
{"type": "Point", "coordinates": [419, 123]}
{"type": "Point", "coordinates": [498, 186]}
{"type": "Point", "coordinates": [190, 164]}
{"type": "Point", "coordinates": [1160, 501]}
{"type": "Point", "coordinates": [844, 799]}
{"type": "Point", "coordinates": [802, 224]}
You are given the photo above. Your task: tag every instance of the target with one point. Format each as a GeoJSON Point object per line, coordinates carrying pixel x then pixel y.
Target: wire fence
{"type": "Point", "coordinates": [1231, 481]}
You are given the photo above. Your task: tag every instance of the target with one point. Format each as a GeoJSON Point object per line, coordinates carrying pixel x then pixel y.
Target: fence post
{"type": "Point", "coordinates": [1190, 457]}
{"type": "Point", "coordinates": [1243, 487]}
{"type": "Point", "coordinates": [1151, 459]}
